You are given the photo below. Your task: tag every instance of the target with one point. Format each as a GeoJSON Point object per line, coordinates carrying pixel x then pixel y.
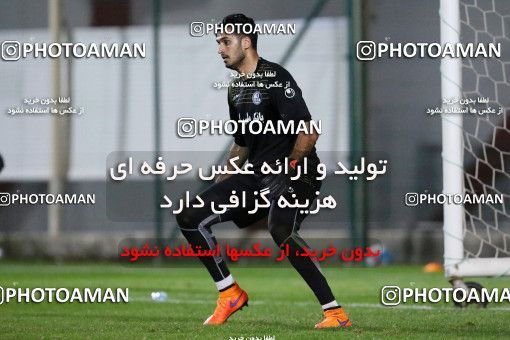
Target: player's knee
{"type": "Point", "coordinates": [186, 219]}
{"type": "Point", "coordinates": [279, 232]}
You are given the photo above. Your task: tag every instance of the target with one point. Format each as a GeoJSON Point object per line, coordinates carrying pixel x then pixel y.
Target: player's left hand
{"type": "Point", "coordinates": [281, 183]}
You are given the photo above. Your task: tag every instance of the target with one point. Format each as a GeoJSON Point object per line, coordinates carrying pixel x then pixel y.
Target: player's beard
{"type": "Point", "coordinates": [237, 62]}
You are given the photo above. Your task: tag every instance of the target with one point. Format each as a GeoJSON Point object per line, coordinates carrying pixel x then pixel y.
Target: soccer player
{"type": "Point", "coordinates": [266, 103]}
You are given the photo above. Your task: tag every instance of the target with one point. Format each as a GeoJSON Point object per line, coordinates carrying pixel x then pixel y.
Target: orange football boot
{"type": "Point", "coordinates": [229, 302]}
{"type": "Point", "coordinates": [334, 318]}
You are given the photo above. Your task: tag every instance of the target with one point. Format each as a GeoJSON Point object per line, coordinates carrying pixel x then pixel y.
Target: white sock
{"type": "Point", "coordinates": [330, 305]}
{"type": "Point", "coordinates": [229, 280]}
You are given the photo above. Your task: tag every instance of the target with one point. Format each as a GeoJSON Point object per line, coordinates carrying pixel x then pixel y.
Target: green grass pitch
{"type": "Point", "coordinates": [281, 305]}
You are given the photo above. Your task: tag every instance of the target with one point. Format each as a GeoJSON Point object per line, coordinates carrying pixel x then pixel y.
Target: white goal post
{"type": "Point", "coordinates": [458, 261]}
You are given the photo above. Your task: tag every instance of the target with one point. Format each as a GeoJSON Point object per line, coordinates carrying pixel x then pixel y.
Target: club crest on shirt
{"type": "Point", "coordinates": [256, 98]}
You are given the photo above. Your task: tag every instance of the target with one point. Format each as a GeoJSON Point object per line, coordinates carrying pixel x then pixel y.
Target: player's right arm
{"type": "Point", "coordinates": [235, 151]}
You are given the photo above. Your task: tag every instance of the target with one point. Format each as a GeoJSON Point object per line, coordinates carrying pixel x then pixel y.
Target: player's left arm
{"type": "Point", "coordinates": [291, 106]}
{"type": "Point", "coordinates": [304, 143]}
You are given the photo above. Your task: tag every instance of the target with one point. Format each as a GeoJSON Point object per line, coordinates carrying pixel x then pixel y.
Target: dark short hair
{"type": "Point", "coordinates": [245, 21]}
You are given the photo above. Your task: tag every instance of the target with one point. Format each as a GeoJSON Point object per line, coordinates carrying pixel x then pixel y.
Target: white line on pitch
{"type": "Point", "coordinates": [303, 303]}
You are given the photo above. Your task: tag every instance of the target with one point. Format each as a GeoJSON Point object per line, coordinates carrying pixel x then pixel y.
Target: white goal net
{"type": "Point", "coordinates": [476, 142]}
